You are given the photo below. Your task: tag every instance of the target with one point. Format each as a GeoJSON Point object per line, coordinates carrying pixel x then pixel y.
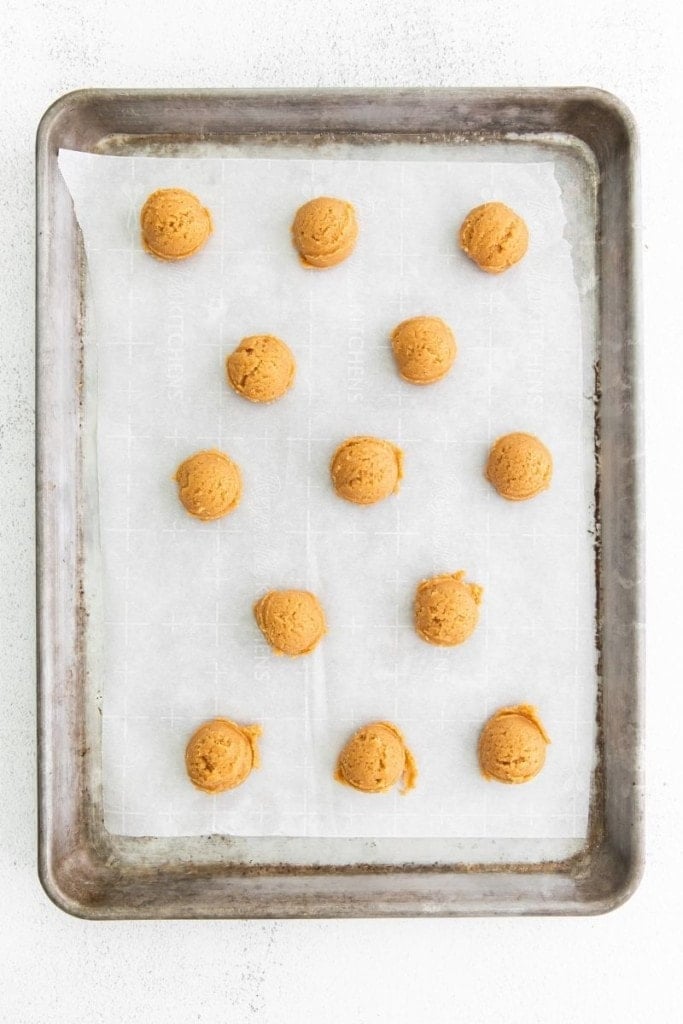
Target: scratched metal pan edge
{"type": "Point", "coordinates": [91, 874]}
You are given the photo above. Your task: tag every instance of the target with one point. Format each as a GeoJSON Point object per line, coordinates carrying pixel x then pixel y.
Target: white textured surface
{"type": "Point", "coordinates": [623, 968]}
{"type": "Point", "coordinates": [180, 641]}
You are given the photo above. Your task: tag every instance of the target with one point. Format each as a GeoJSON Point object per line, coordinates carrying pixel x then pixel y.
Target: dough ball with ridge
{"type": "Point", "coordinates": [375, 759]}
{"type": "Point", "coordinates": [424, 349]}
{"type": "Point", "coordinates": [262, 368]}
{"type": "Point", "coordinates": [221, 754]}
{"type": "Point", "coordinates": [366, 470]}
{"type": "Point", "coordinates": [324, 232]}
{"type": "Point", "coordinates": [292, 621]}
{"type": "Point", "coordinates": [512, 745]}
{"type": "Point", "coordinates": [209, 484]}
{"type": "Point", "coordinates": [447, 609]}
{"type": "Point", "coordinates": [494, 236]}
{"type": "Point", "coordinates": [174, 224]}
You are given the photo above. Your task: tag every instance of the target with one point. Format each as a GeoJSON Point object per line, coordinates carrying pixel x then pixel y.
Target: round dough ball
{"type": "Point", "coordinates": [262, 368]}
{"type": "Point", "coordinates": [209, 484]}
{"type": "Point", "coordinates": [424, 349]}
{"type": "Point", "coordinates": [292, 621]}
{"type": "Point", "coordinates": [494, 236]}
{"type": "Point", "coordinates": [324, 231]}
{"type": "Point", "coordinates": [447, 609]}
{"type": "Point", "coordinates": [519, 466]}
{"type": "Point", "coordinates": [221, 755]}
{"type": "Point", "coordinates": [375, 759]}
{"type": "Point", "coordinates": [512, 745]}
{"type": "Point", "coordinates": [174, 224]}
{"type": "Point", "coordinates": [365, 470]}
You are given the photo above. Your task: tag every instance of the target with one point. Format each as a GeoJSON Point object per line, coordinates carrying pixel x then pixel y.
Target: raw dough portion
{"type": "Point", "coordinates": [512, 745]}
{"type": "Point", "coordinates": [262, 368]}
{"type": "Point", "coordinates": [221, 754]}
{"type": "Point", "coordinates": [447, 609]}
{"type": "Point", "coordinates": [174, 224]}
{"type": "Point", "coordinates": [494, 236]}
{"type": "Point", "coordinates": [375, 758]}
{"type": "Point", "coordinates": [366, 469]}
{"type": "Point", "coordinates": [324, 231]}
{"type": "Point", "coordinates": [209, 484]}
{"type": "Point", "coordinates": [292, 621]}
{"type": "Point", "coordinates": [424, 349]}
{"type": "Point", "coordinates": [519, 466]}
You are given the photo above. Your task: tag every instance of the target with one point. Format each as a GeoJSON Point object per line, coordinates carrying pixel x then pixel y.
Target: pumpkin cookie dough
{"type": "Point", "coordinates": [375, 759]}
{"type": "Point", "coordinates": [174, 224]}
{"type": "Point", "coordinates": [209, 484]}
{"type": "Point", "coordinates": [512, 745]}
{"type": "Point", "coordinates": [324, 232]}
{"type": "Point", "coordinates": [262, 368]}
{"type": "Point", "coordinates": [494, 236]}
{"type": "Point", "coordinates": [424, 349]}
{"type": "Point", "coordinates": [365, 470]}
{"type": "Point", "coordinates": [447, 609]}
{"type": "Point", "coordinates": [292, 621]}
{"type": "Point", "coordinates": [519, 466]}
{"type": "Point", "coordinates": [221, 755]}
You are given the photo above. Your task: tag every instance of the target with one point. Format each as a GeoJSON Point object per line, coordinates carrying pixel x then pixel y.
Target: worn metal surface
{"type": "Point", "coordinates": [91, 873]}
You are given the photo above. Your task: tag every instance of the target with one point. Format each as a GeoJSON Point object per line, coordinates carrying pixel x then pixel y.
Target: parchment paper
{"type": "Point", "coordinates": [180, 642]}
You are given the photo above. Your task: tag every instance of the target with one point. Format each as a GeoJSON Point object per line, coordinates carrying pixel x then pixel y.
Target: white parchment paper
{"type": "Point", "coordinates": [180, 642]}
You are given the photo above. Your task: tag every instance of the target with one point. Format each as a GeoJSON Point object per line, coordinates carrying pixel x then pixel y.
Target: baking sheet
{"type": "Point", "coordinates": [180, 642]}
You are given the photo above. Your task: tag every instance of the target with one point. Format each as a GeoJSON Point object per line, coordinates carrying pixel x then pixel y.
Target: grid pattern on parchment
{"type": "Point", "coordinates": [180, 641]}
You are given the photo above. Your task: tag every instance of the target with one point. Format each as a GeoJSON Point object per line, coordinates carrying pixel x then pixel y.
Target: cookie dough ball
{"type": "Point", "coordinates": [221, 755]}
{"type": "Point", "coordinates": [366, 470]}
{"type": "Point", "coordinates": [424, 349]}
{"type": "Point", "coordinates": [292, 621]}
{"type": "Point", "coordinates": [262, 368]}
{"type": "Point", "coordinates": [324, 232]}
{"type": "Point", "coordinates": [209, 484]}
{"type": "Point", "coordinates": [494, 236]}
{"type": "Point", "coordinates": [512, 745]}
{"type": "Point", "coordinates": [375, 759]}
{"type": "Point", "coordinates": [519, 466]}
{"type": "Point", "coordinates": [174, 224]}
{"type": "Point", "coordinates": [447, 609]}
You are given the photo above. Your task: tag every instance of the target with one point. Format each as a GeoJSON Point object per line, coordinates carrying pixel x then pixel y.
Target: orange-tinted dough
{"type": "Point", "coordinates": [512, 745]}
{"type": "Point", "coordinates": [262, 368]}
{"type": "Point", "coordinates": [375, 759]}
{"type": "Point", "coordinates": [324, 232]}
{"type": "Point", "coordinates": [494, 236]}
{"type": "Point", "coordinates": [209, 484]}
{"type": "Point", "coordinates": [519, 466]}
{"type": "Point", "coordinates": [221, 755]}
{"type": "Point", "coordinates": [424, 349]}
{"type": "Point", "coordinates": [292, 621]}
{"type": "Point", "coordinates": [365, 470]}
{"type": "Point", "coordinates": [447, 609]}
{"type": "Point", "coordinates": [174, 224]}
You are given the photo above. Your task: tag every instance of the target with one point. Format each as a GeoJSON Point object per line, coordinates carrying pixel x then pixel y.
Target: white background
{"type": "Point", "coordinates": [625, 967]}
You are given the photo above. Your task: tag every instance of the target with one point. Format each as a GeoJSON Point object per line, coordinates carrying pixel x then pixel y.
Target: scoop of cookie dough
{"type": "Point", "coordinates": [494, 236]}
{"type": "Point", "coordinates": [519, 466]}
{"type": "Point", "coordinates": [262, 368]}
{"type": "Point", "coordinates": [512, 745]}
{"type": "Point", "coordinates": [174, 224]}
{"type": "Point", "coordinates": [447, 609]}
{"type": "Point", "coordinates": [221, 754]}
{"type": "Point", "coordinates": [324, 231]}
{"type": "Point", "coordinates": [292, 621]}
{"type": "Point", "coordinates": [375, 759]}
{"type": "Point", "coordinates": [366, 469]}
{"type": "Point", "coordinates": [209, 484]}
{"type": "Point", "coordinates": [424, 349]}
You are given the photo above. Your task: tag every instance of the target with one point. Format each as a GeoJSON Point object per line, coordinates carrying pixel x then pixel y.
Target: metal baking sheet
{"type": "Point", "coordinates": [88, 870]}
